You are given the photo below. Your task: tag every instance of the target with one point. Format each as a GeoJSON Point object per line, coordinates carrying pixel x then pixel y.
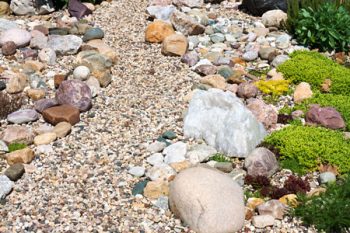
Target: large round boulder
{"type": "Point", "coordinates": [75, 93]}
{"type": "Point", "coordinates": [207, 200]}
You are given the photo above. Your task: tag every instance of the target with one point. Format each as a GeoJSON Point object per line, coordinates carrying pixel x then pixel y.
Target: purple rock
{"type": "Point", "coordinates": [190, 58]}
{"type": "Point", "coordinates": [206, 70]}
{"type": "Point", "coordinates": [23, 116]}
{"type": "Point", "coordinates": [327, 117]}
{"type": "Point", "coordinates": [261, 162]}
{"type": "Point", "coordinates": [78, 9]}
{"type": "Point", "coordinates": [75, 93]}
{"type": "Point", "coordinates": [26, 53]}
{"type": "Point", "coordinates": [43, 104]}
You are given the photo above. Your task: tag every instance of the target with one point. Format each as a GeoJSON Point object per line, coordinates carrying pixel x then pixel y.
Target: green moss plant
{"type": "Point", "coordinates": [16, 146]}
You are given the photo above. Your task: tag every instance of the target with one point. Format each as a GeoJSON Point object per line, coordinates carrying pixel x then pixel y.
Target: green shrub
{"type": "Point", "coordinates": [325, 27]}
{"type": "Point", "coordinates": [339, 102]}
{"type": "Point", "coordinates": [16, 146]}
{"type": "Point", "coordinates": [310, 147]}
{"type": "Point", "coordinates": [314, 68]}
{"type": "Point", "coordinates": [218, 157]}
{"type": "Point", "coordinates": [329, 211]}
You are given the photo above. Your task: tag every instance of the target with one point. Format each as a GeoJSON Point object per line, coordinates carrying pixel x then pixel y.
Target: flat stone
{"type": "Point", "coordinates": [67, 113]}
{"type": "Point", "coordinates": [215, 81]}
{"type": "Point", "coordinates": [93, 33]}
{"type": "Point", "coordinates": [156, 147]}
{"type": "Point", "coordinates": [200, 153]}
{"type": "Point", "coordinates": [45, 139]}
{"type": "Point", "coordinates": [43, 104]}
{"type": "Point", "coordinates": [65, 45]}
{"type": "Point", "coordinates": [328, 117]}
{"type": "Point", "coordinates": [15, 171]}
{"type": "Point", "coordinates": [262, 221]}
{"type": "Point", "coordinates": [17, 134]}
{"type": "Point", "coordinates": [156, 189]}
{"type": "Point", "coordinates": [175, 153]}
{"type": "Point", "coordinates": [23, 116]}
{"type": "Point", "coordinates": [62, 129]}
{"type": "Point", "coordinates": [137, 171]}
{"type": "Point", "coordinates": [155, 159]}
{"type": "Point", "coordinates": [226, 167]}
{"type": "Point", "coordinates": [19, 36]}
{"type": "Point", "coordinates": [160, 172]}
{"type": "Point", "coordinates": [25, 155]}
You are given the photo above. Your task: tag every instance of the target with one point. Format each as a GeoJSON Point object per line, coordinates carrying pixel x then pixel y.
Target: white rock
{"type": "Point", "coordinates": [22, 7]}
{"type": "Point", "coordinates": [94, 86]}
{"type": "Point", "coordinates": [156, 147]}
{"type": "Point", "coordinates": [175, 153]}
{"type": "Point", "coordinates": [3, 147]}
{"type": "Point", "coordinates": [273, 18]}
{"type": "Point", "coordinates": [200, 153]}
{"type": "Point", "coordinates": [155, 159]}
{"type": "Point", "coordinates": [160, 172]}
{"type": "Point", "coordinates": [262, 221]}
{"type": "Point", "coordinates": [64, 45]}
{"type": "Point", "coordinates": [6, 186]}
{"type": "Point", "coordinates": [137, 171]}
{"type": "Point", "coordinates": [47, 55]}
{"type": "Point", "coordinates": [222, 120]}
{"type": "Point", "coordinates": [19, 36]}
{"type": "Point", "coordinates": [161, 12]}
{"type": "Point", "coordinates": [81, 73]}
{"type": "Point", "coordinates": [207, 200]}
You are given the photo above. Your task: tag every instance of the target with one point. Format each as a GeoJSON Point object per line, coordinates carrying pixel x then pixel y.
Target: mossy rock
{"type": "Point", "coordinates": [340, 102]}
{"type": "Point", "coordinates": [310, 147]}
{"type": "Point", "coordinates": [314, 68]}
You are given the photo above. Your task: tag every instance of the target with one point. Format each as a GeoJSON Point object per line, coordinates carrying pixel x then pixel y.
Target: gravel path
{"type": "Point", "coordinates": [84, 186]}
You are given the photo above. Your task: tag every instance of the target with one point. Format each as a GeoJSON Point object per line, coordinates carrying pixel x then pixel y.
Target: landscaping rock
{"type": "Point", "coordinates": [9, 48]}
{"type": "Point", "coordinates": [3, 147]}
{"type": "Point", "coordinates": [36, 94]}
{"type": "Point", "coordinates": [160, 172]}
{"type": "Point", "coordinates": [44, 139]}
{"type": "Point", "coordinates": [280, 59]}
{"type": "Point", "coordinates": [156, 147]}
{"type": "Point", "coordinates": [200, 153]}
{"type": "Point", "coordinates": [188, 3]}
{"type": "Point", "coordinates": [215, 81]}
{"type": "Point", "coordinates": [264, 113]}
{"type": "Point", "coordinates": [65, 45]}
{"type": "Point", "coordinates": [23, 116]}
{"type": "Point", "coordinates": [207, 200]}
{"type": "Point", "coordinates": [17, 134]}
{"type": "Point", "coordinates": [186, 24]}
{"type": "Point", "coordinates": [81, 73]}
{"type": "Point", "coordinates": [137, 171]}
{"type": "Point", "coordinates": [226, 167]}
{"type": "Point", "coordinates": [25, 155]}
{"type": "Point", "coordinates": [104, 49]}
{"type": "Point", "coordinates": [74, 93]}
{"type": "Point", "coordinates": [93, 33]}
{"type": "Point", "coordinates": [6, 186]}
{"type": "Point", "coordinates": [261, 162]}
{"type": "Point", "coordinates": [222, 120]}
{"type": "Point", "coordinates": [155, 159]}
{"type": "Point", "coordinates": [302, 92]}
{"type": "Point", "coordinates": [67, 113]}
{"type": "Point", "coordinates": [273, 208]}
{"type": "Point", "coordinates": [175, 153]}
{"type": "Point", "coordinates": [38, 41]}
{"type": "Point", "coordinates": [19, 36]}
{"type": "Point", "coordinates": [43, 104]}
{"type": "Point", "coordinates": [157, 31]}
{"type": "Point", "coordinates": [247, 90]}
{"type": "Point", "coordinates": [190, 58]}
{"type": "Point", "coordinates": [62, 129]}
{"type": "Point", "coordinates": [262, 221]}
{"type": "Point", "coordinates": [17, 82]}
{"type": "Point", "coordinates": [273, 18]}
{"type": "Point", "coordinates": [156, 189]}
{"type": "Point", "coordinates": [327, 177]}
{"type": "Point", "coordinates": [328, 117]}
{"type": "Point", "coordinates": [175, 45]}
{"type": "Point", "coordinates": [161, 12]}
{"type": "Point", "coordinates": [48, 56]}
{"type": "Point", "coordinates": [15, 171]}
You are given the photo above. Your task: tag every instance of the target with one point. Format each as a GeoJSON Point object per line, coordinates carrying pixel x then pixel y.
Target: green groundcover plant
{"type": "Point", "coordinates": [16, 146]}
{"type": "Point", "coordinates": [309, 147]}
{"type": "Point", "coordinates": [340, 102]}
{"type": "Point", "coordinates": [314, 68]}
{"type": "Point", "coordinates": [329, 211]}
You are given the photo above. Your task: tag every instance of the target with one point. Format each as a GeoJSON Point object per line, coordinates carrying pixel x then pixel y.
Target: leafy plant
{"type": "Point", "coordinates": [324, 27]}
{"type": "Point", "coordinates": [314, 68]}
{"type": "Point", "coordinates": [16, 146]}
{"type": "Point", "coordinates": [218, 157]}
{"type": "Point", "coordinates": [296, 185]}
{"type": "Point", "coordinates": [257, 181]}
{"type": "Point", "coordinates": [329, 211]}
{"type": "Point", "coordinates": [311, 146]}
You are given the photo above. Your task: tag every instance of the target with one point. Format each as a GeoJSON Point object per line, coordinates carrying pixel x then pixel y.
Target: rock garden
{"type": "Point", "coordinates": [175, 116]}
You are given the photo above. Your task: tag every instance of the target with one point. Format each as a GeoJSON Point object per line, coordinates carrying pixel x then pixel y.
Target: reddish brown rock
{"type": "Point", "coordinates": [9, 48]}
{"type": "Point", "coordinates": [327, 117]}
{"type": "Point", "coordinates": [247, 90]}
{"type": "Point", "coordinates": [58, 79]}
{"type": "Point", "coordinates": [62, 113]}
{"type": "Point", "coordinates": [42, 29]}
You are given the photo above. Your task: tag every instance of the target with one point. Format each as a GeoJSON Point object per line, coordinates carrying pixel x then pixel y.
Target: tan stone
{"type": "Point", "coordinates": [157, 31]}
{"type": "Point", "coordinates": [253, 202]}
{"type": "Point", "coordinates": [62, 129]}
{"type": "Point", "coordinates": [275, 75]}
{"type": "Point", "coordinates": [4, 10]}
{"type": "Point", "coordinates": [302, 92]}
{"type": "Point", "coordinates": [34, 65]}
{"type": "Point", "coordinates": [249, 213]}
{"type": "Point", "coordinates": [17, 82]}
{"type": "Point", "coordinates": [179, 166]}
{"type": "Point", "coordinates": [36, 94]}
{"type": "Point", "coordinates": [289, 199]}
{"type": "Point", "coordinates": [156, 189]}
{"type": "Point", "coordinates": [316, 192]}
{"type": "Point", "coordinates": [25, 155]}
{"type": "Point", "coordinates": [215, 80]}
{"type": "Point", "coordinates": [175, 45]}
{"type": "Point", "coordinates": [326, 85]}
{"type": "Point", "coordinates": [44, 139]}
{"type": "Point", "coordinates": [103, 77]}
{"type": "Point", "coordinates": [104, 49]}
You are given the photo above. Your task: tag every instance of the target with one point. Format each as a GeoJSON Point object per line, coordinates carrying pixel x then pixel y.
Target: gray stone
{"type": "Point", "coordinates": [207, 200]}
{"type": "Point", "coordinates": [74, 93]}
{"type": "Point", "coordinates": [47, 55]}
{"type": "Point", "coordinates": [238, 175]}
{"type": "Point", "coordinates": [217, 37]}
{"type": "Point", "coordinates": [7, 24]}
{"type": "Point", "coordinates": [137, 171]}
{"type": "Point", "coordinates": [188, 3]}
{"type": "Point", "coordinates": [93, 33]}
{"type": "Point", "coordinates": [175, 153]}
{"type": "Point", "coordinates": [224, 166]}
{"type": "Point", "coordinates": [156, 147]}
{"type": "Point", "coordinates": [283, 41]}
{"type": "Point", "coordinates": [222, 120]}
{"type": "Point", "coordinates": [6, 186]}
{"type": "Point", "coordinates": [200, 153]}
{"type": "Point", "coordinates": [261, 162]}
{"type": "Point", "coordinates": [15, 171]}
{"type": "Point", "coordinates": [190, 58]}
{"type": "Point", "coordinates": [162, 203]}
{"type": "Point", "coordinates": [161, 12]}
{"type": "Point", "coordinates": [43, 104]}
{"type": "Point", "coordinates": [3, 147]}
{"type": "Point", "coordinates": [327, 177]}
{"type": "Point", "coordinates": [21, 37]}
{"type": "Point", "coordinates": [265, 52]}
{"type": "Point", "coordinates": [247, 90]}
{"type": "Point", "coordinates": [155, 159]}
{"type": "Point", "coordinates": [22, 7]}
{"type": "Point", "coordinates": [39, 40]}
{"type": "Point", "coordinates": [250, 55]}
{"type": "Point", "coordinates": [280, 59]}
{"type": "Point", "coordinates": [186, 24]}
{"type": "Point", "coordinates": [23, 116]}
{"type": "Point", "coordinates": [65, 45]}
{"type": "Point", "coordinates": [160, 172]}
{"type": "Point", "coordinates": [273, 18]}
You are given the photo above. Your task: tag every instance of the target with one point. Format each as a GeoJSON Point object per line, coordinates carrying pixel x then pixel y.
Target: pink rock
{"type": "Point", "coordinates": [19, 36]}
{"type": "Point", "coordinates": [327, 117]}
{"type": "Point", "coordinates": [265, 113]}
{"type": "Point", "coordinates": [247, 90]}
{"type": "Point", "coordinates": [75, 93]}
{"type": "Point", "coordinates": [273, 208]}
